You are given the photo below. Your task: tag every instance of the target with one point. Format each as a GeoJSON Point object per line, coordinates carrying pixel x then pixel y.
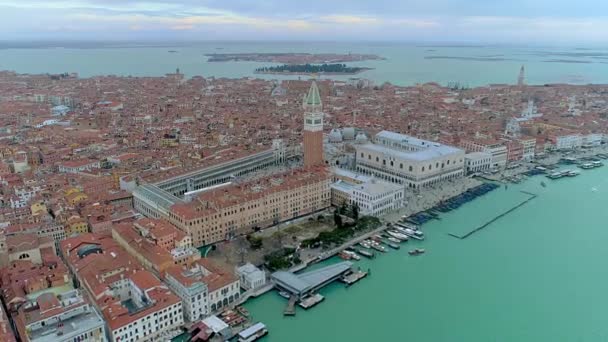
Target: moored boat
{"type": "Point", "coordinates": [416, 251]}
{"type": "Point", "coordinates": [392, 239]}
{"type": "Point", "coordinates": [367, 254]}
{"type": "Point", "coordinates": [352, 255]}
{"type": "Point", "coordinates": [394, 245]}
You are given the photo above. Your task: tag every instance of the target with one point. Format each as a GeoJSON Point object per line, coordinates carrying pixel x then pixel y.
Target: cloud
{"type": "Point", "coordinates": [439, 20]}
{"type": "Point", "coordinates": [349, 19]}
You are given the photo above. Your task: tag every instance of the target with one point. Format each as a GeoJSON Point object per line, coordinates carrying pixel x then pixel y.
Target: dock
{"type": "Point", "coordinates": [290, 309]}
{"type": "Point", "coordinates": [304, 284]}
{"type": "Point", "coordinates": [353, 277]}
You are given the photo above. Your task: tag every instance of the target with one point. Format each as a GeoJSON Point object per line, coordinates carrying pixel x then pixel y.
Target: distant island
{"type": "Point", "coordinates": [306, 69]}
{"type": "Point", "coordinates": [291, 58]}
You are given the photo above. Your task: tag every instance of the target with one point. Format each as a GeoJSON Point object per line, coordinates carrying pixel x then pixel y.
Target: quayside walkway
{"type": "Point", "coordinates": [496, 218]}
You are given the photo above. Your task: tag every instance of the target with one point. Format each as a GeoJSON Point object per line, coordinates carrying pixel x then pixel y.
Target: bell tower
{"type": "Point", "coordinates": [313, 127]}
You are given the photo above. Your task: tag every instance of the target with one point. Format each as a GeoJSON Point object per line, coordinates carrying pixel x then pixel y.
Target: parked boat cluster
{"type": "Point", "coordinates": [467, 196]}
{"type": "Point", "coordinates": [391, 238]}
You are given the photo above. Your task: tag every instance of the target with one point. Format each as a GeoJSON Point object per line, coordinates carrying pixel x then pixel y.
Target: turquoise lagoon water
{"type": "Point", "coordinates": [537, 274]}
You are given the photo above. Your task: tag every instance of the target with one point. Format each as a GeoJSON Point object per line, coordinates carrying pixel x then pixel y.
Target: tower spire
{"type": "Point", "coordinates": [312, 101]}
{"type": "Point", "coordinates": [521, 80]}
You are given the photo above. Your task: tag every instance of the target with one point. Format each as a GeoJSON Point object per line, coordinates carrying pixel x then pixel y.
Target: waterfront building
{"type": "Point", "coordinates": [409, 161]}
{"type": "Point", "coordinates": [566, 141]}
{"type": "Point", "coordinates": [313, 127]}
{"type": "Point", "coordinates": [592, 140]}
{"type": "Point", "coordinates": [515, 150]}
{"type": "Point", "coordinates": [478, 162]}
{"type": "Point", "coordinates": [204, 288]}
{"type": "Point", "coordinates": [496, 148]}
{"type": "Point", "coordinates": [239, 208]}
{"type": "Point", "coordinates": [251, 277]}
{"type": "Point", "coordinates": [66, 317]}
{"type": "Point", "coordinates": [374, 197]}
{"type": "Point", "coordinates": [529, 148]}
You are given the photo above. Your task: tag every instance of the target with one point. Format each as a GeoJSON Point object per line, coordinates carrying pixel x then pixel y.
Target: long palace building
{"type": "Point", "coordinates": [213, 204]}
{"type": "Point", "coordinates": [409, 161]}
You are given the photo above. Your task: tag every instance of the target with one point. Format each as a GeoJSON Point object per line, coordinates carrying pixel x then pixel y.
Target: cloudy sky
{"type": "Point", "coordinates": [500, 21]}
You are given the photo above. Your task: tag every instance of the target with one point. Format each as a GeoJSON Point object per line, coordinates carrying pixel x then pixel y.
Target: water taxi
{"type": "Point", "coordinates": [416, 251]}
{"type": "Point", "coordinates": [392, 239]}
{"type": "Point", "coordinates": [394, 245]}
{"type": "Point", "coordinates": [379, 247]}
{"type": "Point", "coordinates": [573, 173]}
{"type": "Point", "coordinates": [352, 255]}
{"type": "Point", "coordinates": [253, 333]}
{"type": "Point", "coordinates": [397, 235]}
{"type": "Point", "coordinates": [366, 254]}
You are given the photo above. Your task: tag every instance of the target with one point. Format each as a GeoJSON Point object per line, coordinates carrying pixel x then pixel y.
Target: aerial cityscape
{"type": "Point", "coordinates": [294, 190]}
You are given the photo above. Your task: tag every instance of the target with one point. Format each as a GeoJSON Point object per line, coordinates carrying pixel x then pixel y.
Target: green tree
{"type": "Point", "coordinates": [355, 211]}
{"type": "Point", "coordinates": [338, 219]}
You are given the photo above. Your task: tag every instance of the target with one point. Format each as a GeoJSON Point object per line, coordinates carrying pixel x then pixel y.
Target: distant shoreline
{"type": "Point", "coordinates": [287, 73]}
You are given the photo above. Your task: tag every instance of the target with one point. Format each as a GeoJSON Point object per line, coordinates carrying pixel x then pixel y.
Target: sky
{"type": "Point", "coordinates": [474, 21]}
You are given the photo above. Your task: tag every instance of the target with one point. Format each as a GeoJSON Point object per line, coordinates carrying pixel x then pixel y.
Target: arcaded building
{"type": "Point", "coordinates": [410, 161]}
{"type": "Point", "coordinates": [227, 211]}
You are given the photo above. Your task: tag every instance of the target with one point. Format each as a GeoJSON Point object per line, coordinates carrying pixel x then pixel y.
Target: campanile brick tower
{"type": "Point", "coordinates": [313, 127]}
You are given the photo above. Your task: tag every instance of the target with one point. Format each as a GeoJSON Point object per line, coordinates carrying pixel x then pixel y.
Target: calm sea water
{"type": "Point", "coordinates": [537, 274]}
{"type": "Point", "coordinates": [405, 64]}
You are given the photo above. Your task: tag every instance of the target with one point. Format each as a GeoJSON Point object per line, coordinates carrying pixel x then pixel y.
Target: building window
{"type": "Point", "coordinates": [412, 169]}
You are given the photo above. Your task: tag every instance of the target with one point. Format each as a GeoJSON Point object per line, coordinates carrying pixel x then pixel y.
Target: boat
{"type": "Point", "coordinates": [345, 256]}
{"type": "Point", "coordinates": [597, 163]}
{"type": "Point", "coordinates": [366, 254]}
{"type": "Point", "coordinates": [376, 238]}
{"type": "Point", "coordinates": [416, 251]}
{"type": "Point", "coordinates": [284, 294]}
{"type": "Point", "coordinates": [365, 244]}
{"type": "Point", "coordinates": [352, 255]}
{"type": "Point", "coordinates": [253, 333]}
{"type": "Point", "coordinates": [311, 301]}
{"type": "Point", "coordinates": [397, 235]}
{"type": "Point", "coordinates": [394, 245]}
{"type": "Point", "coordinates": [587, 166]}
{"type": "Point", "coordinates": [572, 173]}
{"type": "Point", "coordinates": [556, 175]}
{"type": "Point", "coordinates": [379, 248]}
{"type": "Point", "coordinates": [543, 184]}
{"type": "Point", "coordinates": [392, 239]}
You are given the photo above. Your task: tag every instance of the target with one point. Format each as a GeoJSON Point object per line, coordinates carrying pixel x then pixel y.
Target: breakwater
{"type": "Point", "coordinates": [498, 217]}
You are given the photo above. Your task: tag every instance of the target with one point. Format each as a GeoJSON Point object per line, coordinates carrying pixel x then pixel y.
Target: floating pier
{"type": "Point", "coordinates": [353, 277]}
{"type": "Point", "coordinates": [290, 309]}
{"type": "Point", "coordinates": [311, 301]}
{"type": "Point", "coordinates": [462, 237]}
